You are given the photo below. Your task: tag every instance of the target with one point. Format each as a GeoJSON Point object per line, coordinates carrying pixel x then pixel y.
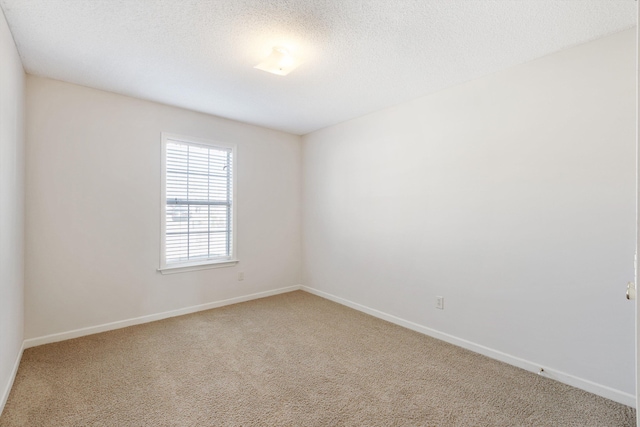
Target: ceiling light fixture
{"type": "Point", "coordinates": [280, 62]}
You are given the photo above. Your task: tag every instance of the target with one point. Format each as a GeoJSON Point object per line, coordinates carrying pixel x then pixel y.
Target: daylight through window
{"type": "Point", "coordinates": [198, 213]}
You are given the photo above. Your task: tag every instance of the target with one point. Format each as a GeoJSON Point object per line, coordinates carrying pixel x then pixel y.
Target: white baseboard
{"type": "Point", "coordinates": [14, 372]}
{"type": "Point", "coordinates": [47, 339]}
{"type": "Point", "coordinates": [590, 386]}
{"type": "Point", "coordinates": [586, 385]}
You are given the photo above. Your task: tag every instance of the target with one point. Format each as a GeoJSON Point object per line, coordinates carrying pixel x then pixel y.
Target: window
{"type": "Point", "coordinates": [197, 217]}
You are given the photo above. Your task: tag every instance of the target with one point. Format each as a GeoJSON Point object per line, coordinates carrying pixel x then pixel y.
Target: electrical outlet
{"type": "Point", "coordinates": [440, 303]}
{"type": "Point", "coordinates": [240, 276]}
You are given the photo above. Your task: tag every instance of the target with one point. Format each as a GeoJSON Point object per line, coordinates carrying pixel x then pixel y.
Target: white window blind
{"type": "Point", "coordinates": [199, 203]}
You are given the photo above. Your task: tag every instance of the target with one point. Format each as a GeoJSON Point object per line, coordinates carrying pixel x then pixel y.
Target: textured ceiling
{"type": "Point", "coordinates": [359, 55]}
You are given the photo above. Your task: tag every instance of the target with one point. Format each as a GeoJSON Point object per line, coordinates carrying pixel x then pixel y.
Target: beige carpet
{"type": "Point", "coordinates": [289, 360]}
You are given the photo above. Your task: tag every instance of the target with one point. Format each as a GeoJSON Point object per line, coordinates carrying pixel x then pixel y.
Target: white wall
{"type": "Point", "coordinates": [512, 196]}
{"type": "Point", "coordinates": [11, 208]}
{"type": "Point", "coordinates": [93, 200]}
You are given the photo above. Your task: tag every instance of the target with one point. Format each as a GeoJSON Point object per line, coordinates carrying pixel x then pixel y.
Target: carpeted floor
{"type": "Point", "coordinates": [290, 360]}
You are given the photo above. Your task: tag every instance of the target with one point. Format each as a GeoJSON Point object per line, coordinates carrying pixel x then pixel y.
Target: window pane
{"type": "Point", "coordinates": [199, 202]}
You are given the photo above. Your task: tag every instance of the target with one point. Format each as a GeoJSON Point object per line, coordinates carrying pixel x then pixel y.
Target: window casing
{"type": "Point", "coordinates": [197, 204]}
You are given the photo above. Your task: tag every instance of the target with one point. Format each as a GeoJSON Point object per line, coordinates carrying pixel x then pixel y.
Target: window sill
{"type": "Point", "coordinates": [183, 268]}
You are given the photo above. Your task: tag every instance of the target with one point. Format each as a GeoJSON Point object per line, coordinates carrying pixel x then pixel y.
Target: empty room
{"type": "Point", "coordinates": [318, 213]}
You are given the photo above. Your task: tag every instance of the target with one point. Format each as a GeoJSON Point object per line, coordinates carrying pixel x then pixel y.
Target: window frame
{"type": "Point", "coordinates": [207, 263]}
